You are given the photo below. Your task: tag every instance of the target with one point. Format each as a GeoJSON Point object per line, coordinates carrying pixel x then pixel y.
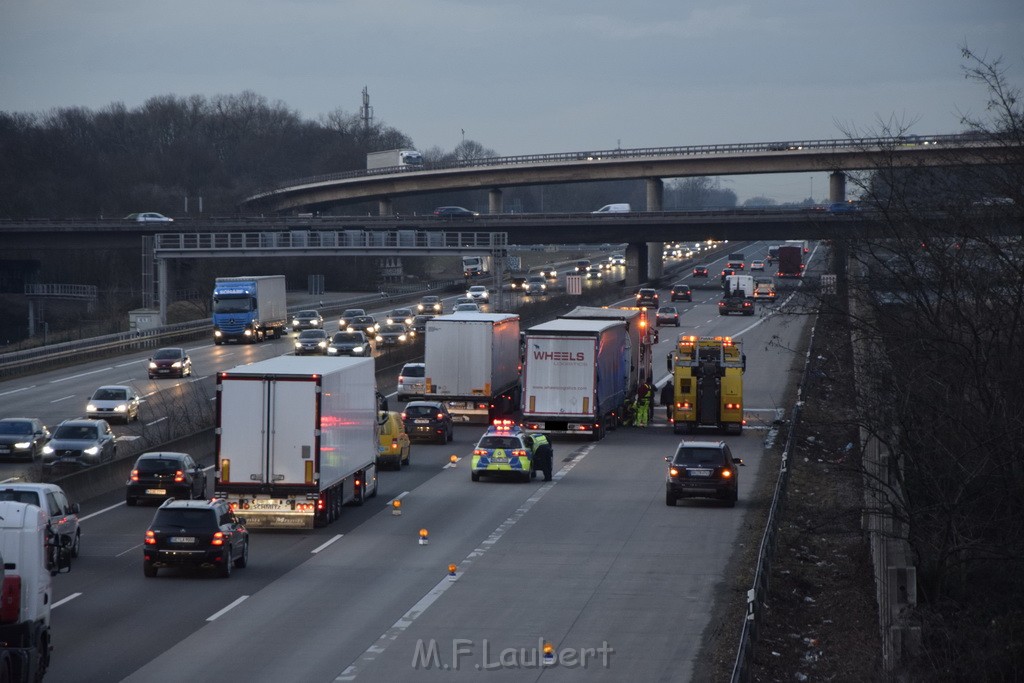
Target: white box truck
{"type": "Point", "coordinates": [296, 439]}
{"type": "Point", "coordinates": [641, 337]}
{"type": "Point", "coordinates": [27, 591]}
{"type": "Point", "coordinates": [575, 376]}
{"type": "Point", "coordinates": [397, 159]}
{"type": "Point", "coordinates": [472, 364]}
{"type": "Point", "coordinates": [249, 308]}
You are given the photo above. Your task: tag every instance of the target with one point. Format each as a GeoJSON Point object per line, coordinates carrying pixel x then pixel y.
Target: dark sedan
{"type": "Point", "coordinates": [170, 362]}
{"type": "Point", "coordinates": [22, 438]}
{"type": "Point", "coordinates": [454, 211]}
{"type": "Point", "coordinates": [311, 341]}
{"type": "Point", "coordinates": [163, 475]}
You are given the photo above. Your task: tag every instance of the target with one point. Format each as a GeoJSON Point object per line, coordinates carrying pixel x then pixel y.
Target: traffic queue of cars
{"type": "Point", "coordinates": [187, 529]}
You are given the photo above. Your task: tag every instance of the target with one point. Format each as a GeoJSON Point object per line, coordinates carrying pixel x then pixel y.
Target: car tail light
{"type": "Point", "coordinates": [135, 475]}
{"type": "Point", "coordinates": [726, 474]}
{"type": "Point", "coordinates": [10, 599]}
{"type": "Point", "coordinates": [179, 477]}
{"type": "Point", "coordinates": [218, 538]}
{"type": "Point", "coordinates": [479, 451]}
{"type": "Point", "coordinates": [404, 416]}
{"type": "Point", "coordinates": [150, 538]}
{"type": "Point", "coordinates": [440, 416]}
{"type": "Point", "coordinates": [673, 472]}
{"type": "Point", "coordinates": [519, 452]}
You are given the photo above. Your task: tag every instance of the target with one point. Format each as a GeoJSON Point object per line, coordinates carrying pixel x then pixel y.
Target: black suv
{"type": "Point", "coordinates": [195, 533]}
{"type": "Point", "coordinates": [647, 296]}
{"type": "Point", "coordinates": [83, 442]}
{"type": "Point", "coordinates": [681, 291]}
{"type": "Point", "coordinates": [158, 476]}
{"type": "Point", "coordinates": [428, 420]}
{"type": "Point", "coordinates": [702, 469]}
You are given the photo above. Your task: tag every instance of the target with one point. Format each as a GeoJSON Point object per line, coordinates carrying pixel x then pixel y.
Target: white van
{"type": "Point", "coordinates": [614, 208]}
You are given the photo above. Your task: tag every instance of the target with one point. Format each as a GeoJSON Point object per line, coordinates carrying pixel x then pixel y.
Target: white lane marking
{"type": "Point", "coordinates": [134, 362]}
{"type": "Point", "coordinates": [314, 551]}
{"type": "Point", "coordinates": [450, 464]}
{"type": "Point", "coordinates": [150, 424]}
{"type": "Point", "coordinates": [400, 496]}
{"type": "Point", "coordinates": [67, 599]}
{"type": "Point", "coordinates": [417, 610]}
{"type": "Point", "coordinates": [132, 549]}
{"type": "Point", "coordinates": [84, 374]}
{"type": "Point", "coordinates": [9, 480]}
{"type": "Point", "coordinates": [233, 605]}
{"type": "Point", "coordinates": [58, 400]}
{"type": "Point", "coordinates": [100, 512]}
{"type": "Point", "coordinates": [14, 391]}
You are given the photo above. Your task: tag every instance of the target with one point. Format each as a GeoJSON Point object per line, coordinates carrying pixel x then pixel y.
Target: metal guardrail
{"type": "Point", "coordinates": [24, 360]}
{"type": "Point", "coordinates": [758, 593]}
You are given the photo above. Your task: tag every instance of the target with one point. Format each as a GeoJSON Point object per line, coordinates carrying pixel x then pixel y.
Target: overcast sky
{"type": "Point", "coordinates": [532, 76]}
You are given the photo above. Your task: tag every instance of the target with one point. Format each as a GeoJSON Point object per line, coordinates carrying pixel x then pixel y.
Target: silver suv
{"type": "Point", "coordinates": [52, 500]}
{"type": "Point", "coordinates": [412, 381]}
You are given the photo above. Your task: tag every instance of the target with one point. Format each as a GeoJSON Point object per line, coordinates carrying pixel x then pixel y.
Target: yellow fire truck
{"type": "Point", "coordinates": [707, 378]}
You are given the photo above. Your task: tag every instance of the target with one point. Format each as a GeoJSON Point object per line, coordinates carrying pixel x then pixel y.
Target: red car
{"type": "Point", "coordinates": [700, 271]}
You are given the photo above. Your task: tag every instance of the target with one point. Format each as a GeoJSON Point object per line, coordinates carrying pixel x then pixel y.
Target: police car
{"type": "Point", "coordinates": [503, 449]}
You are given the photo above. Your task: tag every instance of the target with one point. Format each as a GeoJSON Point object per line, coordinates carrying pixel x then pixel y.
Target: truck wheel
{"type": "Point", "coordinates": [148, 570]}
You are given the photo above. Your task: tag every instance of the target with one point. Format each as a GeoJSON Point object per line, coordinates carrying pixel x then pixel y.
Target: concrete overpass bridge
{"type": "Point", "coordinates": [649, 164]}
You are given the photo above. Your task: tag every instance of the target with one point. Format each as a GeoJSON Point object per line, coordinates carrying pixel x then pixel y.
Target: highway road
{"type": "Point", "coordinates": [593, 562]}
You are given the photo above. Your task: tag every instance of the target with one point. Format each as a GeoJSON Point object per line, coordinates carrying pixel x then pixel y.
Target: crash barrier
{"type": "Point", "coordinates": [891, 557]}
{"type": "Point", "coordinates": [27, 361]}
{"type": "Point", "coordinates": [758, 594]}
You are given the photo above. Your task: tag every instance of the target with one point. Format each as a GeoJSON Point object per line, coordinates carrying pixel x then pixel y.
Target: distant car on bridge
{"type": "Point", "coordinates": [454, 211]}
{"type": "Point", "coordinates": [148, 217]}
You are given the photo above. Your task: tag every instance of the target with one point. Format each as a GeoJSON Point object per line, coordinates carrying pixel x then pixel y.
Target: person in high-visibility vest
{"type": "Point", "coordinates": [643, 404]}
{"type": "Point", "coordinates": [543, 455]}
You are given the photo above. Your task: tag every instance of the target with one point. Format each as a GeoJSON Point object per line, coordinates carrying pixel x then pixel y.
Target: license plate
{"type": "Point", "coordinates": [425, 421]}
{"type": "Point", "coordinates": [156, 492]}
{"type": "Point", "coordinates": [182, 539]}
{"type": "Point", "coordinates": [499, 459]}
{"type": "Point", "coordinates": [700, 473]}
{"type": "Point", "coordinates": [423, 429]}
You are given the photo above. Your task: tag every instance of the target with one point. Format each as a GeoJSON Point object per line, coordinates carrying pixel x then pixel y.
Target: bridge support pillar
{"type": "Point", "coordinates": [655, 197]}
{"type": "Point", "coordinates": [161, 288]}
{"type": "Point", "coordinates": [837, 186]}
{"type": "Point", "coordinates": [494, 201]}
{"type": "Point", "coordinates": [31, 318]}
{"type": "Point", "coordinates": [636, 263]}
{"type": "Point", "coordinates": [384, 207]}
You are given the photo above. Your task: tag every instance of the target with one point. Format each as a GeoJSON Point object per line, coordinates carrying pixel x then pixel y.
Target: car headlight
{"type": "Point", "coordinates": [322, 344]}
{"type": "Point", "coordinates": [391, 321]}
{"type": "Point", "coordinates": [298, 345]}
{"type": "Point", "coordinates": [401, 337]}
{"type": "Point", "coordinates": [358, 349]}
{"type": "Point", "coordinates": [92, 451]}
{"type": "Point", "coordinates": [331, 349]}
{"type": "Point", "coordinates": [121, 408]}
{"type": "Point", "coordinates": [22, 445]}
{"type": "Point", "coordinates": [379, 338]}
{"type": "Point", "coordinates": [341, 323]}
{"type": "Point", "coordinates": [248, 333]}
{"type": "Point", "coordinates": [152, 365]}
{"type": "Point", "coordinates": [90, 408]}
{"type": "Point", "coordinates": [176, 364]}
{"type": "Point", "coordinates": [48, 449]}
{"type": "Point", "coordinates": [295, 321]}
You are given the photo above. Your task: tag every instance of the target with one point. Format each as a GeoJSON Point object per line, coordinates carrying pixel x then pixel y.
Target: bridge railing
{"type": "Point", "coordinates": [329, 239]}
